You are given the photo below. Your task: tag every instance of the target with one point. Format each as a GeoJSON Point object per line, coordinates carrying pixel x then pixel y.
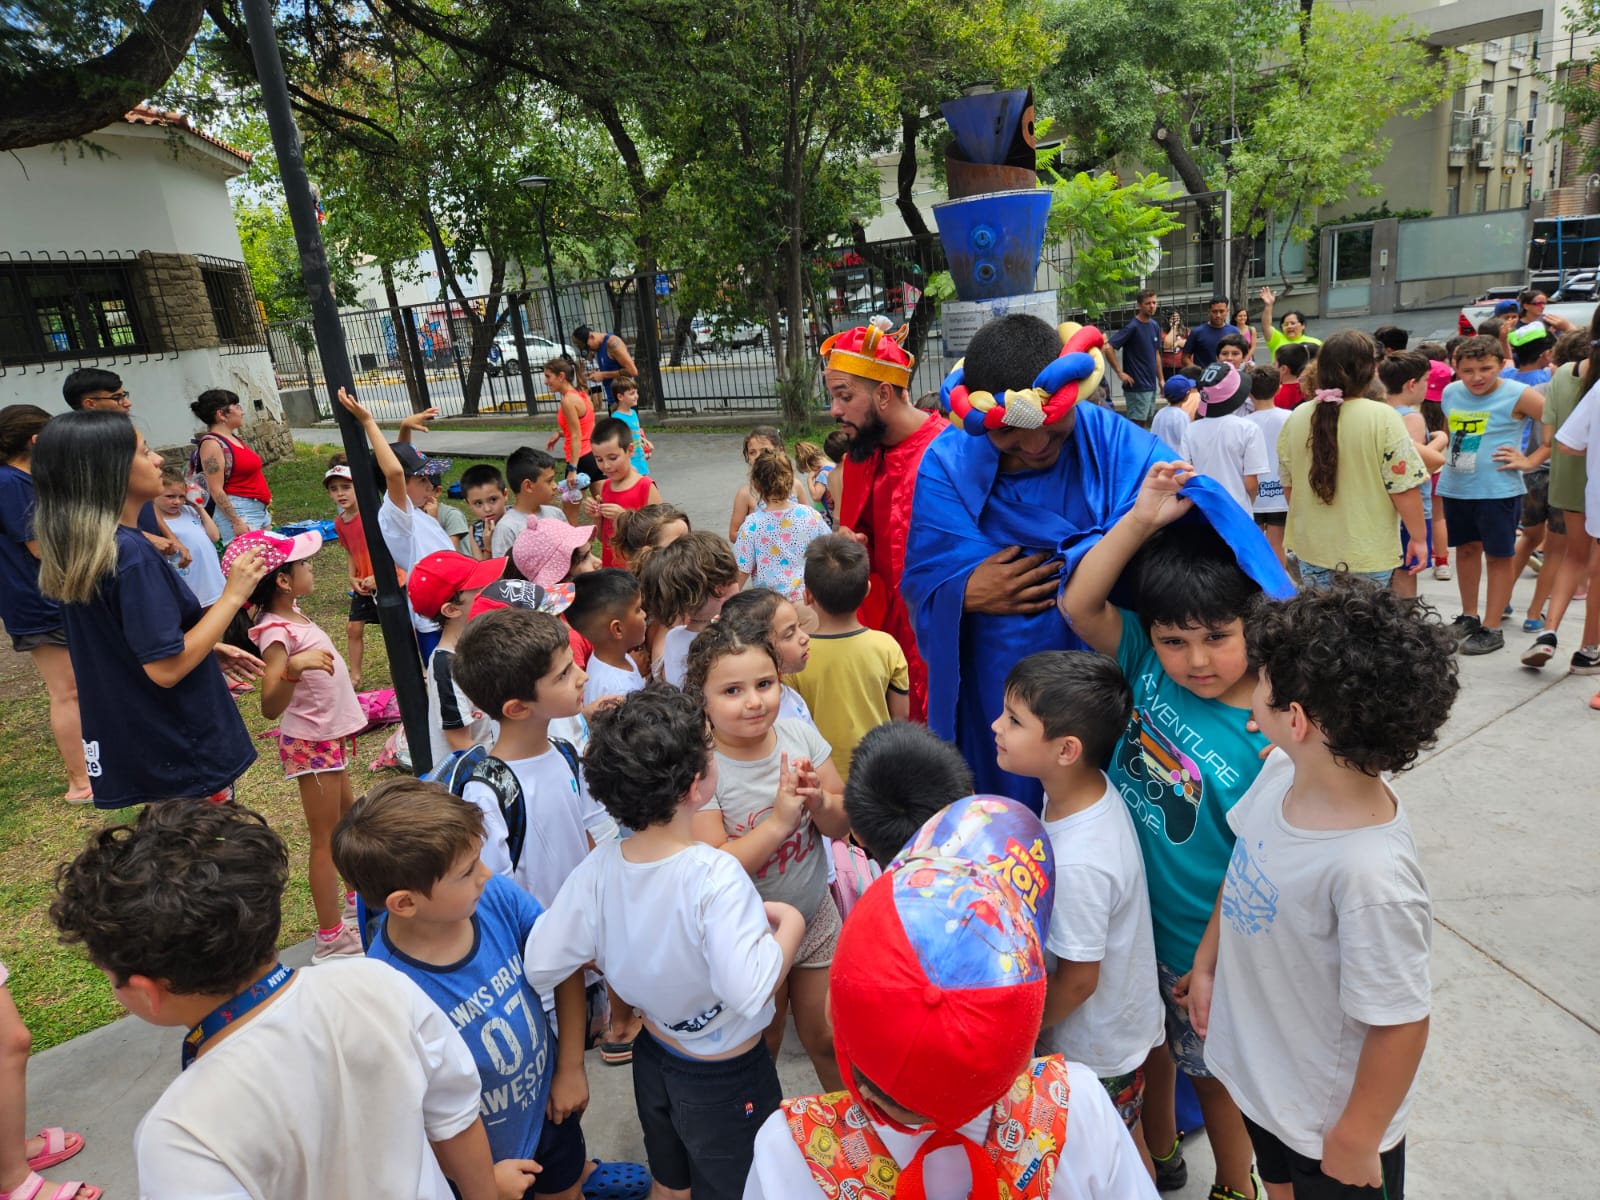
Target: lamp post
{"type": "Point", "coordinates": [541, 184]}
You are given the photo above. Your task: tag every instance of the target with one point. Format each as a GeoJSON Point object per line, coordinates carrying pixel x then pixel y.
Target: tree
{"type": "Point", "coordinates": [1111, 229]}
{"type": "Point", "coordinates": [1576, 87]}
{"type": "Point", "coordinates": [1284, 105]}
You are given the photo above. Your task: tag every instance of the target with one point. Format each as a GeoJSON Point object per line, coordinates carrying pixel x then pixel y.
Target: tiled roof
{"type": "Point", "coordinates": [145, 115]}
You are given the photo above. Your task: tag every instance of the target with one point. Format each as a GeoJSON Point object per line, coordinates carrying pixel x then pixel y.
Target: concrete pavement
{"type": "Point", "coordinates": [1502, 807]}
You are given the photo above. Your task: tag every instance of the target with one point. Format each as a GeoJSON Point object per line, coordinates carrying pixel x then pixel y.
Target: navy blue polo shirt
{"type": "Point", "coordinates": [23, 607]}
{"type": "Point", "coordinates": [1139, 343]}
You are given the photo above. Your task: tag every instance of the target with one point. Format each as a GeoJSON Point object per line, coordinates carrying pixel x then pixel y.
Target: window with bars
{"type": "Point", "coordinates": [66, 309]}
{"type": "Point", "coordinates": [233, 303]}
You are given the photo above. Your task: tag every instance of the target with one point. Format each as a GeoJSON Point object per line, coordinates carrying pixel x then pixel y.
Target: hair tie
{"type": "Point", "coordinates": [1329, 395]}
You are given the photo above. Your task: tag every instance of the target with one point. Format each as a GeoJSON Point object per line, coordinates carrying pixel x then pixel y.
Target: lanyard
{"type": "Point", "coordinates": [229, 1011]}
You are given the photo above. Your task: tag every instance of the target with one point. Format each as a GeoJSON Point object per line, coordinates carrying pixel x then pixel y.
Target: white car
{"type": "Point", "coordinates": [503, 354]}
{"type": "Point", "coordinates": [725, 333]}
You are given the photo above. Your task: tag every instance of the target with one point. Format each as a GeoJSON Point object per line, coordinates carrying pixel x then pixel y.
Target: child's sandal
{"type": "Point", "coordinates": [33, 1188]}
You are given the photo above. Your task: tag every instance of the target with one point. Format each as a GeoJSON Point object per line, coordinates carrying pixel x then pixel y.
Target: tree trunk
{"type": "Point", "coordinates": [55, 104]}
{"type": "Point", "coordinates": [403, 347]}
{"type": "Point", "coordinates": [905, 201]}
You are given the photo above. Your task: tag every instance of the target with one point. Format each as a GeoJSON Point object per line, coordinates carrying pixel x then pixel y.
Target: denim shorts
{"type": "Point", "coordinates": [253, 513]}
{"type": "Point", "coordinates": [1321, 577]}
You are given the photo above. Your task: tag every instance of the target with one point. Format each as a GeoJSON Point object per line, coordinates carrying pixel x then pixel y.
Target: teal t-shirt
{"type": "Point", "coordinates": [631, 419]}
{"type": "Point", "coordinates": [1480, 425]}
{"type": "Point", "coordinates": [1182, 763]}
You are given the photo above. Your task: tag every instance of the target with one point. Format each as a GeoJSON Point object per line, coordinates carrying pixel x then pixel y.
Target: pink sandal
{"type": "Point", "coordinates": [59, 1145]}
{"type": "Point", "coordinates": [32, 1188]}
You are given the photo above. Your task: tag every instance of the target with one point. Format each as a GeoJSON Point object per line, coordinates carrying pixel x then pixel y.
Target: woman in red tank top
{"type": "Point", "coordinates": [233, 471]}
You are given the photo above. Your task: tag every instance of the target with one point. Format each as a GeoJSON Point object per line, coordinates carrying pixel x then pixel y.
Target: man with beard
{"type": "Point", "coordinates": [867, 374]}
{"type": "Point", "coordinates": [1002, 516]}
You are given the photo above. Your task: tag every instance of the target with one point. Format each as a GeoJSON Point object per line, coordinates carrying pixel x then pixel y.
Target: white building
{"type": "Point", "coordinates": [121, 252]}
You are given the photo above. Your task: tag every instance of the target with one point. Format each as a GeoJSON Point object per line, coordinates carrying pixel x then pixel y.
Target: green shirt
{"type": "Point", "coordinates": [1568, 472]}
{"type": "Point", "coordinates": [1276, 338]}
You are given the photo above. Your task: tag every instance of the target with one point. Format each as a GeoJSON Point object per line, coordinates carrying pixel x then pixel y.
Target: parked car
{"type": "Point", "coordinates": [721, 333]}
{"type": "Point", "coordinates": [503, 354]}
{"type": "Point", "coordinates": [1579, 312]}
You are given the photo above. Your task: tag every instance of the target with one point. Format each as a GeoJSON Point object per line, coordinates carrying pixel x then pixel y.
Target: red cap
{"type": "Point", "coordinates": [444, 574]}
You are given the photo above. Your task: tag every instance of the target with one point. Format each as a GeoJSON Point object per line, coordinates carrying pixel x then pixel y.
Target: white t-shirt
{"type": "Point", "coordinates": [513, 522]}
{"type": "Point", "coordinates": [450, 708]}
{"type": "Point", "coordinates": [606, 680]}
{"type": "Point", "coordinates": [1581, 431]}
{"type": "Point", "coordinates": [1325, 933]}
{"type": "Point", "coordinates": [1227, 449]}
{"type": "Point", "coordinates": [793, 704]}
{"type": "Point", "coordinates": [1170, 424]}
{"type": "Point", "coordinates": [350, 1054]}
{"type": "Point", "coordinates": [411, 536]}
{"type": "Point", "coordinates": [1098, 1161]}
{"type": "Point", "coordinates": [701, 963]}
{"type": "Point", "coordinates": [204, 572]}
{"type": "Point", "coordinates": [674, 662]}
{"type": "Point", "coordinates": [560, 815]}
{"type": "Point", "coordinates": [1269, 488]}
{"type": "Point", "coordinates": [1102, 914]}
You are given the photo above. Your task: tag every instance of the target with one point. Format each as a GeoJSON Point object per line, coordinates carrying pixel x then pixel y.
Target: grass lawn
{"type": "Point", "coordinates": [59, 994]}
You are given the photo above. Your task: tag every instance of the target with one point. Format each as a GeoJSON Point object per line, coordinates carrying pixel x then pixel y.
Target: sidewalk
{"type": "Point", "coordinates": [1509, 1094]}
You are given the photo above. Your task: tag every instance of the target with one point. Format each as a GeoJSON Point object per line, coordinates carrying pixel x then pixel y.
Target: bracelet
{"type": "Point", "coordinates": [290, 678]}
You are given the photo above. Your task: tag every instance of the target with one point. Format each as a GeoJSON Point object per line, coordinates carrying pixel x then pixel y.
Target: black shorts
{"type": "Point", "coordinates": [26, 643]}
{"type": "Point", "coordinates": [363, 608]}
{"type": "Point", "coordinates": [1277, 1163]}
{"type": "Point", "coordinates": [589, 467]}
{"type": "Point", "coordinates": [563, 1155]}
{"type": "Point", "coordinates": [700, 1118]}
{"type": "Point", "coordinates": [1536, 503]}
{"type": "Point", "coordinates": [1492, 522]}
{"type": "Point", "coordinates": [1279, 519]}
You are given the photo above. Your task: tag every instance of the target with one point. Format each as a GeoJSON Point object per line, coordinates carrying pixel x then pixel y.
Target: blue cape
{"type": "Point", "coordinates": [965, 510]}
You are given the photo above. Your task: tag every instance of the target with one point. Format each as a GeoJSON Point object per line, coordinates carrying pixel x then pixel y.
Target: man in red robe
{"type": "Point", "coordinates": [868, 375]}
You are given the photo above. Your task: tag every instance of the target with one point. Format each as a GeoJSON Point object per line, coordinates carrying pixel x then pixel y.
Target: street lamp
{"type": "Point", "coordinates": [541, 184]}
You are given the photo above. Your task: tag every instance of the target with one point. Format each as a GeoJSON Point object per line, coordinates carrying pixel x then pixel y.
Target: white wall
{"type": "Point", "coordinates": [416, 282]}
{"type": "Point", "coordinates": [162, 390]}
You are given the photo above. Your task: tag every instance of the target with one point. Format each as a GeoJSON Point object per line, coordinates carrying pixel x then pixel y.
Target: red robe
{"type": "Point", "coordinates": [875, 500]}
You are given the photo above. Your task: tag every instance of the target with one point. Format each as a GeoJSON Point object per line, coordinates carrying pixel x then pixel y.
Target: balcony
{"type": "Point", "coordinates": [1493, 50]}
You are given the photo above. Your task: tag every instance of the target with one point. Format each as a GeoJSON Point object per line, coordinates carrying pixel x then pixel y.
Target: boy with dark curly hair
{"type": "Point", "coordinates": [330, 1082]}
{"type": "Point", "coordinates": [1318, 948]}
{"type": "Point", "coordinates": [678, 928]}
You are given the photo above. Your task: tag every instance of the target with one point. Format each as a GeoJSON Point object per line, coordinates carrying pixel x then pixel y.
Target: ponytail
{"type": "Point", "coordinates": [1345, 368]}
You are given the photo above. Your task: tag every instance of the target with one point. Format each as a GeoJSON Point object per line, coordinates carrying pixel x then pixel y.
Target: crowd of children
{"type": "Point", "coordinates": [658, 793]}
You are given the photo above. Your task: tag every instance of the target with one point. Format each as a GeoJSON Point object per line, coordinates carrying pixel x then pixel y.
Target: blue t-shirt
{"type": "Point", "coordinates": [144, 742]}
{"type": "Point", "coordinates": [1182, 763]}
{"type": "Point", "coordinates": [1478, 426]}
{"type": "Point", "coordinates": [1140, 344]}
{"type": "Point", "coordinates": [1532, 432]}
{"type": "Point", "coordinates": [23, 607]}
{"type": "Point", "coordinates": [637, 458]}
{"type": "Point", "coordinates": [1202, 343]}
{"type": "Point", "coordinates": [487, 997]}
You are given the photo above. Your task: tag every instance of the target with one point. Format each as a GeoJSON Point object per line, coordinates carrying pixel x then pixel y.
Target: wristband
{"type": "Point", "coordinates": [571, 469]}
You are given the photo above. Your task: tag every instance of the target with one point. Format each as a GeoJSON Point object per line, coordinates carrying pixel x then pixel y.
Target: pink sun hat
{"type": "Point", "coordinates": [543, 550]}
{"type": "Point", "coordinates": [276, 549]}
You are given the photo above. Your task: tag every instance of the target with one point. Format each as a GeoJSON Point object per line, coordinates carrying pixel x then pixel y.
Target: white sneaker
{"type": "Point", "coordinates": [346, 945]}
{"type": "Point", "coordinates": [1443, 571]}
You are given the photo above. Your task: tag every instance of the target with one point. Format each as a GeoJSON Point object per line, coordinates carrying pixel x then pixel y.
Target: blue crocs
{"type": "Point", "coordinates": [617, 1181]}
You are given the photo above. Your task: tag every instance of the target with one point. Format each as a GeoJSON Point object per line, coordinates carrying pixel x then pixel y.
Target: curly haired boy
{"type": "Point", "coordinates": [1311, 985]}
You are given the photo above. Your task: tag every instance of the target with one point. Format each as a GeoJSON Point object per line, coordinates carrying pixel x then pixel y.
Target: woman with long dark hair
{"type": "Point", "coordinates": [31, 618]}
{"type": "Point", "coordinates": [158, 721]}
{"type": "Point", "coordinates": [1348, 466]}
{"type": "Point", "coordinates": [234, 472]}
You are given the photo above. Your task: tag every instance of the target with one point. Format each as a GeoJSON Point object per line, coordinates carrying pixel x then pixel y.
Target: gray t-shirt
{"type": "Point", "coordinates": [797, 874]}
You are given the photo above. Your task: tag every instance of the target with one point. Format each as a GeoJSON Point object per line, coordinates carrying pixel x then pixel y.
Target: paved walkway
{"type": "Point", "coordinates": [1503, 811]}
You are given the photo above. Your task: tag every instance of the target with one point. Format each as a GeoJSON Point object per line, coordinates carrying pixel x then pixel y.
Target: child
{"type": "Point", "coordinates": [448, 515]}
{"type": "Point", "coordinates": [575, 423]}
{"type": "Point", "coordinates": [408, 531]}
{"type": "Point", "coordinates": [1318, 1020]}
{"type": "Point", "coordinates": [1271, 508]}
{"type": "Point", "coordinates": [648, 528]}
{"type": "Point", "coordinates": [856, 677]}
{"type": "Point", "coordinates": [1291, 360]}
{"type": "Point", "coordinates": [836, 445]}
{"type": "Point", "coordinates": [531, 475]}
{"type": "Point", "coordinates": [772, 541]}
{"type": "Point", "coordinates": [607, 611]}
{"type": "Point", "coordinates": [1579, 434]}
{"type": "Point", "coordinates": [685, 584]}
{"type": "Point", "coordinates": [776, 795]}
{"type": "Point", "coordinates": [341, 490]}
{"type": "Point", "coordinates": [517, 666]}
{"type": "Point", "coordinates": [449, 925]}
{"type": "Point", "coordinates": [1226, 447]}
{"type": "Point", "coordinates": [762, 437]}
{"type": "Point", "coordinates": [485, 493]}
{"type": "Point", "coordinates": [900, 775]}
{"type": "Point", "coordinates": [550, 551]}
{"type": "Point", "coordinates": [1440, 375]}
{"type": "Point", "coordinates": [1233, 349]}
{"type": "Point", "coordinates": [1184, 760]}
{"type": "Point", "coordinates": [1532, 351]}
{"type": "Point", "coordinates": [935, 1107]}
{"type": "Point", "coordinates": [1404, 375]}
{"type": "Point", "coordinates": [703, 966]}
{"type": "Point", "coordinates": [623, 488]}
{"type": "Point", "coordinates": [23, 1157]}
{"type": "Point", "coordinates": [1481, 485]}
{"type": "Point", "coordinates": [192, 526]}
{"type": "Point", "coordinates": [307, 687]}
{"type": "Point", "coordinates": [762, 615]}
{"type": "Point", "coordinates": [626, 390]}
{"type": "Point", "coordinates": [1064, 711]}
{"type": "Point", "coordinates": [443, 587]}
{"type": "Point", "coordinates": [1351, 473]}
{"type": "Point", "coordinates": [1172, 422]}
{"type": "Point", "coordinates": [816, 466]}
{"type": "Point", "coordinates": [286, 1070]}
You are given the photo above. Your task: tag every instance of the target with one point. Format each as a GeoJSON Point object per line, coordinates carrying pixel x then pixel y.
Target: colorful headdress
{"type": "Point", "coordinates": [1076, 372]}
{"type": "Point", "coordinates": [872, 352]}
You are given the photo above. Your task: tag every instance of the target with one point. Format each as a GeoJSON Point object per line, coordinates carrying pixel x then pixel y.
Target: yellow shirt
{"type": "Point", "coordinates": [845, 684]}
{"type": "Point", "coordinates": [1360, 530]}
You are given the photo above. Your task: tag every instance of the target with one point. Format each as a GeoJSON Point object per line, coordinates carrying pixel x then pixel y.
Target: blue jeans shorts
{"type": "Point", "coordinates": [1321, 577]}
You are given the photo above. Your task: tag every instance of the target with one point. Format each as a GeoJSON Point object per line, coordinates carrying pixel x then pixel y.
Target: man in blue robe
{"type": "Point", "coordinates": [1005, 508]}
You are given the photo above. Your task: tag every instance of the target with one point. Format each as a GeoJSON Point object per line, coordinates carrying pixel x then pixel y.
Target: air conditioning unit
{"type": "Point", "coordinates": [1487, 156]}
{"type": "Point", "coordinates": [1482, 126]}
{"type": "Point", "coordinates": [1484, 103]}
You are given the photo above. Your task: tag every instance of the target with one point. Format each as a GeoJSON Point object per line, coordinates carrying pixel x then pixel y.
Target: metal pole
{"type": "Point", "coordinates": [1227, 249]}
{"type": "Point", "coordinates": [394, 618]}
{"type": "Point", "coordinates": [523, 368]}
{"type": "Point", "coordinates": [550, 270]}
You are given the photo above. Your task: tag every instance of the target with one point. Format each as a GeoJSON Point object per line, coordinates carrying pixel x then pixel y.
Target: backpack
{"type": "Point", "coordinates": [195, 479]}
